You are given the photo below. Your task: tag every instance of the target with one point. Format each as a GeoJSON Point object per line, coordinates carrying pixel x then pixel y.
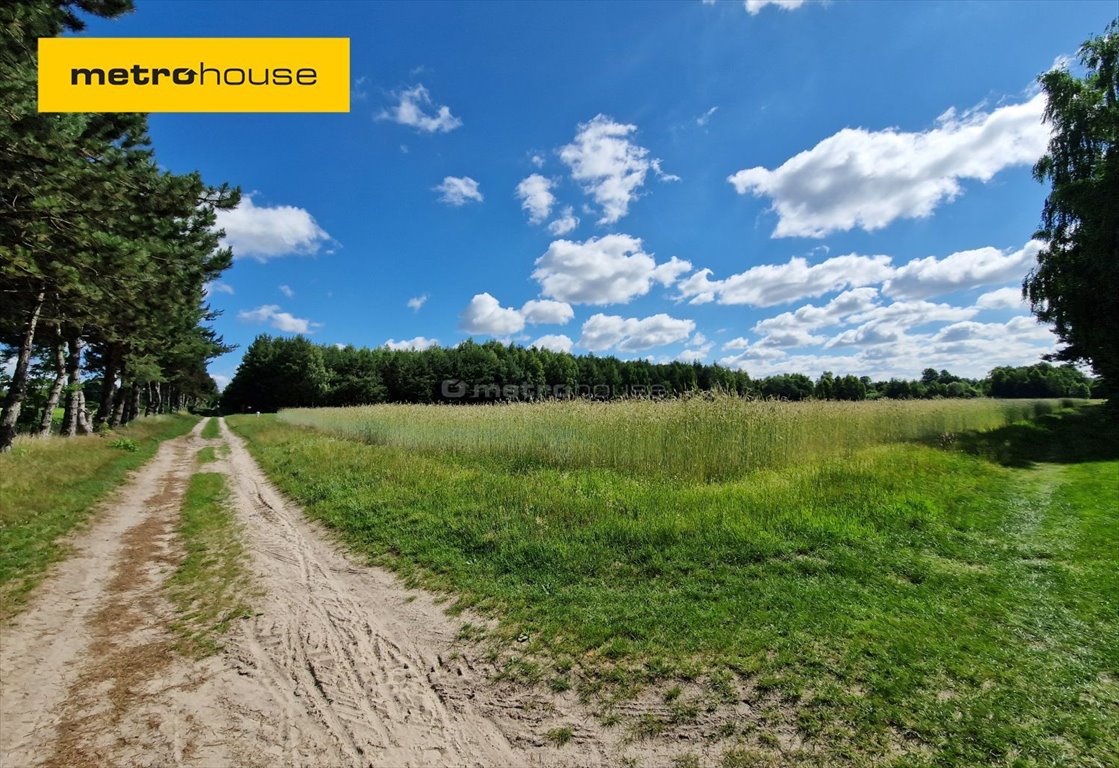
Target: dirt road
{"type": "Point", "coordinates": [340, 666]}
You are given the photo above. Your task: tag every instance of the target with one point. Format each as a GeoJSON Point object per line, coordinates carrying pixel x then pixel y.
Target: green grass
{"type": "Point", "coordinates": [950, 603]}
{"type": "Point", "coordinates": [211, 585]}
{"type": "Point", "coordinates": [207, 455]}
{"type": "Point", "coordinates": [47, 487]}
{"type": "Point", "coordinates": [211, 430]}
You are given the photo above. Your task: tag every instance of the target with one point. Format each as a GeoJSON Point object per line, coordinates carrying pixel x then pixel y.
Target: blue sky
{"type": "Point", "coordinates": [840, 186]}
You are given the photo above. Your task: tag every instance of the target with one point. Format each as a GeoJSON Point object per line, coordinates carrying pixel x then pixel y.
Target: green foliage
{"type": "Point", "coordinates": [902, 589]}
{"type": "Point", "coordinates": [125, 444]}
{"type": "Point", "coordinates": [1076, 283]}
{"type": "Point", "coordinates": [96, 237]}
{"type": "Point", "coordinates": [1041, 380]}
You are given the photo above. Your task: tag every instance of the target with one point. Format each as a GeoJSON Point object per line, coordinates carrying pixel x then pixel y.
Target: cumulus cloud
{"type": "Point", "coordinates": [961, 270]}
{"type": "Point", "coordinates": [811, 317]}
{"type": "Point", "coordinates": [267, 232]}
{"type": "Point", "coordinates": [535, 194]}
{"type": "Point", "coordinates": [754, 7]}
{"type": "Point", "coordinates": [566, 222]}
{"type": "Point", "coordinates": [1003, 298]}
{"type": "Point", "coordinates": [418, 343]}
{"type": "Point", "coordinates": [271, 314]}
{"type": "Point", "coordinates": [770, 284]}
{"type": "Point", "coordinates": [698, 348]}
{"type": "Point", "coordinates": [867, 179]}
{"type": "Point", "coordinates": [611, 269]}
{"type": "Point", "coordinates": [416, 302]}
{"type": "Point", "coordinates": [484, 314]}
{"type": "Point", "coordinates": [546, 312]}
{"type": "Point", "coordinates": [630, 334]}
{"type": "Point", "coordinates": [609, 166]}
{"type": "Point", "coordinates": [415, 108]}
{"type": "Point", "coordinates": [556, 343]}
{"type": "Point", "coordinates": [287, 291]}
{"type": "Point", "coordinates": [456, 190]}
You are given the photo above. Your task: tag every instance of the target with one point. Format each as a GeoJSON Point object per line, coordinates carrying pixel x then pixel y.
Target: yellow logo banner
{"type": "Point", "coordinates": [204, 74]}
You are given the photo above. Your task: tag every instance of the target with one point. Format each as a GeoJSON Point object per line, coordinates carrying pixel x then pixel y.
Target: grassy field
{"type": "Point", "coordinates": [35, 514]}
{"type": "Point", "coordinates": [211, 586]}
{"type": "Point", "coordinates": [691, 439]}
{"type": "Point", "coordinates": [944, 602]}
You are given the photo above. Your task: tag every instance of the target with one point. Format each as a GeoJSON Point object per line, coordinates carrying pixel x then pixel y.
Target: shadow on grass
{"type": "Point", "coordinates": [1090, 433]}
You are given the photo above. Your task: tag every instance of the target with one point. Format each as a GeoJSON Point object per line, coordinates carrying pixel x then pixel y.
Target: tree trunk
{"type": "Point", "coordinates": [132, 410]}
{"type": "Point", "coordinates": [120, 399]}
{"type": "Point", "coordinates": [108, 386]}
{"type": "Point", "coordinates": [18, 389]}
{"type": "Point", "coordinates": [85, 427]}
{"type": "Point", "coordinates": [56, 388]}
{"type": "Point", "coordinates": [71, 419]}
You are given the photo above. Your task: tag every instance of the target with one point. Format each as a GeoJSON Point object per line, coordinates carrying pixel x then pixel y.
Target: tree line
{"type": "Point", "coordinates": [278, 372]}
{"type": "Point", "coordinates": [104, 257]}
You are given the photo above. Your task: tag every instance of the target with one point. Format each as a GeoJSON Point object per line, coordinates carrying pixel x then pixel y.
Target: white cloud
{"type": "Point", "coordinates": [457, 190]}
{"type": "Point", "coordinates": [412, 108]}
{"type": "Point", "coordinates": [567, 222]}
{"type": "Point", "coordinates": [287, 291]}
{"type": "Point", "coordinates": [610, 167]}
{"type": "Point", "coordinates": [535, 194]}
{"type": "Point", "coordinates": [739, 342]}
{"type": "Point", "coordinates": [705, 118]}
{"type": "Point", "coordinates": [418, 343]}
{"type": "Point", "coordinates": [281, 321]}
{"type": "Point", "coordinates": [537, 159]}
{"type": "Point", "coordinates": [754, 7]}
{"type": "Point", "coordinates": [264, 232]}
{"type": "Point", "coordinates": [810, 317]}
{"type": "Point", "coordinates": [1003, 298]}
{"type": "Point", "coordinates": [416, 302]}
{"type": "Point", "coordinates": [961, 270]}
{"type": "Point", "coordinates": [630, 334]}
{"type": "Point", "coordinates": [867, 179]}
{"type": "Point", "coordinates": [611, 269]}
{"type": "Point", "coordinates": [555, 342]}
{"type": "Point", "coordinates": [484, 314]}
{"type": "Point", "coordinates": [221, 380]}
{"type": "Point", "coordinates": [770, 284]}
{"type": "Point", "coordinates": [793, 337]}
{"type": "Point", "coordinates": [698, 348]}
{"type": "Point", "coordinates": [913, 313]}
{"type": "Point", "coordinates": [216, 286]}
{"type": "Point", "coordinates": [1021, 327]}
{"type": "Point", "coordinates": [545, 312]}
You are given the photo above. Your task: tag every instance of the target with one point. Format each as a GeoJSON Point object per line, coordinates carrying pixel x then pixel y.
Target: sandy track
{"type": "Point", "coordinates": [340, 666]}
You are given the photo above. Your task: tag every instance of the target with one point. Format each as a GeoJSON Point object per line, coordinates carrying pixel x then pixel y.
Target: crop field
{"type": "Point", "coordinates": [702, 438]}
{"type": "Point", "coordinates": [920, 583]}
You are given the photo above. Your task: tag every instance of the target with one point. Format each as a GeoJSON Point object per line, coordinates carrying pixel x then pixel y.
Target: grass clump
{"type": "Point", "coordinates": [211, 585]}
{"type": "Point", "coordinates": [207, 455]}
{"type": "Point", "coordinates": [896, 599]}
{"type": "Point", "coordinates": [211, 430]}
{"type": "Point", "coordinates": [48, 487]}
{"type": "Point", "coordinates": [560, 736]}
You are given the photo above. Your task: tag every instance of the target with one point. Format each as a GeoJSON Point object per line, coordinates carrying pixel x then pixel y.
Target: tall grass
{"type": "Point", "coordinates": [710, 439]}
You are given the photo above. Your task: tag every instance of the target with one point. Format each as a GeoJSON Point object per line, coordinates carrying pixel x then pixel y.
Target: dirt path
{"type": "Point", "coordinates": [340, 666]}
